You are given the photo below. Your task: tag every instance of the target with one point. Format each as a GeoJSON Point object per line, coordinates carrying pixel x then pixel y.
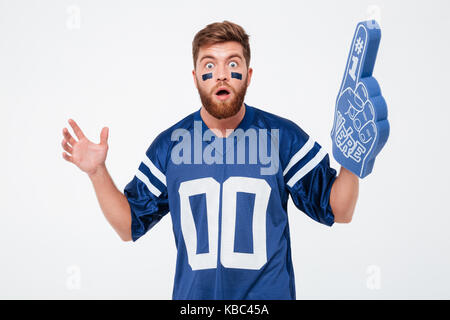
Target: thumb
{"type": "Point", "coordinates": [104, 135]}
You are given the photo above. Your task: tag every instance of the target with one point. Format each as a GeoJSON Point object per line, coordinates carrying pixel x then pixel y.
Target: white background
{"type": "Point", "coordinates": [127, 65]}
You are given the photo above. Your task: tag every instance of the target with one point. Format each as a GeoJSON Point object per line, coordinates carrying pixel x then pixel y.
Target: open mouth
{"type": "Point", "coordinates": [222, 93]}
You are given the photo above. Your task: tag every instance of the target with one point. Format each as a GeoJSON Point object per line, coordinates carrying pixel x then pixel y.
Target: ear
{"type": "Point", "coordinates": [249, 76]}
{"type": "Point", "coordinates": [195, 78]}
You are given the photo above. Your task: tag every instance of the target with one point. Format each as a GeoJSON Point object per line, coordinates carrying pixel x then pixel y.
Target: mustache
{"type": "Point", "coordinates": [222, 84]}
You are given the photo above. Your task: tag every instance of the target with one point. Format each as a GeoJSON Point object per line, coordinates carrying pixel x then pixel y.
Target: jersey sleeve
{"type": "Point", "coordinates": [309, 178]}
{"type": "Point", "coordinates": [147, 192]}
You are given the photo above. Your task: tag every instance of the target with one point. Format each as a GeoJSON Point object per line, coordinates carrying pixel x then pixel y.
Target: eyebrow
{"type": "Point", "coordinates": [234, 55]}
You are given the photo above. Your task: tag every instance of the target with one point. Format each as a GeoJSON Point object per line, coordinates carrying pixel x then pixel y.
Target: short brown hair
{"type": "Point", "coordinates": [218, 32]}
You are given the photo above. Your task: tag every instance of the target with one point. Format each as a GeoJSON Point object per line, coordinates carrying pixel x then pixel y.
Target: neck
{"type": "Point", "coordinates": [220, 126]}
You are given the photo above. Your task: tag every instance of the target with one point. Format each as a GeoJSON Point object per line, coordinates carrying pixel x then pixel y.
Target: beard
{"type": "Point", "coordinates": [223, 109]}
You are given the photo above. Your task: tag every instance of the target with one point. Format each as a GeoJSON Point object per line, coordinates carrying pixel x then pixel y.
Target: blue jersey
{"type": "Point", "coordinates": [227, 198]}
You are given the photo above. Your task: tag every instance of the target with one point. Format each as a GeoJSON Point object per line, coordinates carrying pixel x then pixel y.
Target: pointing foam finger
{"type": "Point", "coordinates": [362, 55]}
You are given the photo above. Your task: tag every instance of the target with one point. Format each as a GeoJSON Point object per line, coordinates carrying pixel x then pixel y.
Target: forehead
{"type": "Point", "coordinates": [221, 50]}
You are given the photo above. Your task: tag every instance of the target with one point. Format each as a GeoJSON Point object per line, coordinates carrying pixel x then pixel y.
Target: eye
{"type": "Point", "coordinates": [232, 64]}
{"type": "Point", "coordinates": [209, 65]}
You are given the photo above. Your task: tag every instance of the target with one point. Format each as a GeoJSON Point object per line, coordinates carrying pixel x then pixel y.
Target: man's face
{"type": "Point", "coordinates": [221, 60]}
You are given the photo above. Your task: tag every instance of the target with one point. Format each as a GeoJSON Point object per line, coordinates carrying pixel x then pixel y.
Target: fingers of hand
{"type": "Point", "coordinates": [76, 129]}
{"type": "Point", "coordinates": [66, 146]}
{"type": "Point", "coordinates": [67, 157]}
{"type": "Point", "coordinates": [104, 135]}
{"type": "Point", "coordinates": [68, 137]}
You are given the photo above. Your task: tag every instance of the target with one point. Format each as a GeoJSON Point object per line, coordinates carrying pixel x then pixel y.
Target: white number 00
{"type": "Point", "coordinates": [228, 257]}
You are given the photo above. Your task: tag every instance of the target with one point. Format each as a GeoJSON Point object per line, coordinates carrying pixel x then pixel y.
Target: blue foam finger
{"type": "Point", "coordinates": [360, 127]}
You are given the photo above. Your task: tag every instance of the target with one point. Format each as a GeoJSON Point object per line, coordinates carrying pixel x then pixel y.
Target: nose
{"type": "Point", "coordinates": [222, 73]}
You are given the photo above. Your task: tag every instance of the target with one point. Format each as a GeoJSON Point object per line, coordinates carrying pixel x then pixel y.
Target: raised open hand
{"type": "Point", "coordinates": [86, 155]}
{"type": "Point", "coordinates": [360, 127]}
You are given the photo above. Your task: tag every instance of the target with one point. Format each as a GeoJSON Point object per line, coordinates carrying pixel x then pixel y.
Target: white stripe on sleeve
{"type": "Point", "coordinates": [307, 167]}
{"type": "Point", "coordinates": [147, 182]}
{"type": "Point", "coordinates": [299, 155]}
{"type": "Point", "coordinates": [154, 170]}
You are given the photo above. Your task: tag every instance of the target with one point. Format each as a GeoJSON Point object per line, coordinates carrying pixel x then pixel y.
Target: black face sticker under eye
{"type": "Point", "coordinates": [207, 76]}
{"type": "Point", "coordinates": [236, 75]}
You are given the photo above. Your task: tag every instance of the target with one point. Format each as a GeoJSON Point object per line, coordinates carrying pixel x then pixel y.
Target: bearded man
{"type": "Point", "coordinates": [229, 216]}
